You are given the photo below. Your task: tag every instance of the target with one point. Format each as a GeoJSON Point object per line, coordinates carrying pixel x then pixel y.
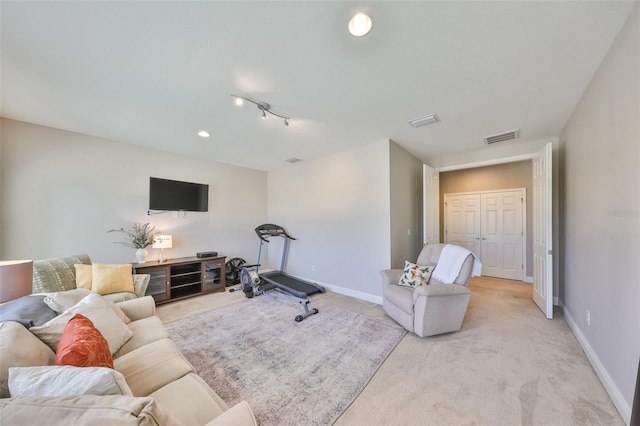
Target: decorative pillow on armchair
{"type": "Point", "coordinates": [415, 275]}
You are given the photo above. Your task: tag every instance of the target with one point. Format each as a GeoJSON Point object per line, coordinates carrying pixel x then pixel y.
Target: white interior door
{"type": "Point", "coordinates": [462, 216]}
{"type": "Point", "coordinates": [502, 234]}
{"type": "Point", "coordinates": [431, 205]}
{"type": "Point", "coordinates": [542, 231]}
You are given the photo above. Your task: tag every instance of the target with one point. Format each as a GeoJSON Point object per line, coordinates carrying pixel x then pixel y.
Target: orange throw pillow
{"type": "Point", "coordinates": [82, 345]}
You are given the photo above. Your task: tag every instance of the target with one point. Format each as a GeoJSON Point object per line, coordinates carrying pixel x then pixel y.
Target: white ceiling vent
{"type": "Point", "coordinates": [293, 160]}
{"type": "Point", "coordinates": [423, 121]}
{"type": "Point", "coordinates": [501, 137]}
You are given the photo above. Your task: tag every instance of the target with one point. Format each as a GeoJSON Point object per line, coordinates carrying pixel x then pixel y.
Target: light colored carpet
{"type": "Point", "coordinates": [290, 373]}
{"type": "Point", "coordinates": [507, 366]}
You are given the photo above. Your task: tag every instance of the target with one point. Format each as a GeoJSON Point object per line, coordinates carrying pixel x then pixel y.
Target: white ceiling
{"type": "Point", "coordinates": [154, 73]}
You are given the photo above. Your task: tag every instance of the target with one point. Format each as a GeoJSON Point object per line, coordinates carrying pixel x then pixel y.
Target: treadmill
{"type": "Point", "coordinates": [285, 282]}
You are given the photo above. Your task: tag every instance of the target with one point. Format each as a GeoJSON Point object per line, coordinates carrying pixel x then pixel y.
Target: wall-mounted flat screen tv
{"type": "Point", "coordinates": [174, 195]}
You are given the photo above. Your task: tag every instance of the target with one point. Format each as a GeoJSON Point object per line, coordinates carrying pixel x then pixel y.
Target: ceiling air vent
{"type": "Point", "coordinates": [501, 137]}
{"type": "Point", "coordinates": [423, 121]}
{"type": "Point", "coordinates": [293, 160]}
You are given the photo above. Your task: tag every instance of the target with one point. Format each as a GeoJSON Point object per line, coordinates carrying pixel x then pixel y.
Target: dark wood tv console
{"type": "Point", "coordinates": [184, 277]}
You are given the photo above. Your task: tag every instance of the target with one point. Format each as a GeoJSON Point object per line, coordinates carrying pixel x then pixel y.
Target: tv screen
{"type": "Point", "coordinates": [165, 194]}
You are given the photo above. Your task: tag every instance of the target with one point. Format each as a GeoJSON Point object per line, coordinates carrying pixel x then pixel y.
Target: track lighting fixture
{"type": "Point", "coordinates": [262, 106]}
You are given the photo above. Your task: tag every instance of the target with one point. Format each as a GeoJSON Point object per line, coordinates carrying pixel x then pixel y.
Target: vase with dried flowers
{"type": "Point", "coordinates": [139, 236]}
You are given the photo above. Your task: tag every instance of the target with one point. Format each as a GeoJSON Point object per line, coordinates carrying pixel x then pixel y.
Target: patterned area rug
{"type": "Point", "coordinates": [290, 373]}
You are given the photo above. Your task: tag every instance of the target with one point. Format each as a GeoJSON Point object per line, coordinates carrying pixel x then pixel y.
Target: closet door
{"type": "Point", "coordinates": [462, 226]}
{"type": "Point", "coordinates": [502, 234]}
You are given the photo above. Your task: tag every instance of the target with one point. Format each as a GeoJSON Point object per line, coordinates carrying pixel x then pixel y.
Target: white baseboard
{"type": "Point", "coordinates": [614, 393]}
{"type": "Point", "coordinates": [528, 279]}
{"type": "Point", "coordinates": [354, 293]}
{"type": "Point", "coordinates": [346, 291]}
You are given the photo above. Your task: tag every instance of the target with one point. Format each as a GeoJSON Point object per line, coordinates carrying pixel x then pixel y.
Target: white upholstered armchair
{"type": "Point", "coordinates": [435, 308]}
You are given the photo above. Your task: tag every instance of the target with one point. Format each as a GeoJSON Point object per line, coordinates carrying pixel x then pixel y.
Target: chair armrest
{"type": "Point", "coordinates": [135, 309]}
{"type": "Point", "coordinates": [239, 414]}
{"type": "Point", "coordinates": [435, 290]}
{"type": "Point", "coordinates": [390, 276]}
{"type": "Point", "coordinates": [140, 284]}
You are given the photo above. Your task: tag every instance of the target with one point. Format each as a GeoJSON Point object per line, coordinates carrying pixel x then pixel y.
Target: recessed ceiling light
{"type": "Point", "coordinates": [360, 24]}
{"type": "Point", "coordinates": [204, 134]}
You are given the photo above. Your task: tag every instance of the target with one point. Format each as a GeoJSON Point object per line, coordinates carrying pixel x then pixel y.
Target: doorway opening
{"type": "Point", "coordinates": [490, 224]}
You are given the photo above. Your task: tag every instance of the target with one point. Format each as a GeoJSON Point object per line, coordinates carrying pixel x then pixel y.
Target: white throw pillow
{"type": "Point", "coordinates": [63, 300]}
{"type": "Point", "coordinates": [415, 275]}
{"type": "Point", "coordinates": [55, 381]}
{"type": "Point", "coordinates": [99, 311]}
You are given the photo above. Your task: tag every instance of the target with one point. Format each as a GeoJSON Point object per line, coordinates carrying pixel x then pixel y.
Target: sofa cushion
{"type": "Point", "coordinates": [190, 400]}
{"type": "Point", "coordinates": [66, 380]}
{"type": "Point", "coordinates": [20, 348]}
{"type": "Point", "coordinates": [58, 274]}
{"type": "Point", "coordinates": [152, 366]}
{"type": "Point", "coordinates": [139, 308]}
{"type": "Point", "coordinates": [99, 312]}
{"type": "Point", "coordinates": [86, 410]}
{"type": "Point", "coordinates": [400, 296]}
{"type": "Point", "coordinates": [29, 310]}
{"type": "Point", "coordinates": [239, 414]}
{"type": "Point", "coordinates": [415, 275]}
{"type": "Point", "coordinates": [145, 331]}
{"type": "Point", "coordinates": [120, 296]}
{"type": "Point", "coordinates": [109, 279]}
{"type": "Point", "coordinates": [82, 345]}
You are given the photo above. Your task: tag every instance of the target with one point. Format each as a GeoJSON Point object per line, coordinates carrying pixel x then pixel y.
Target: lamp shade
{"type": "Point", "coordinates": [162, 241]}
{"type": "Point", "coordinates": [16, 279]}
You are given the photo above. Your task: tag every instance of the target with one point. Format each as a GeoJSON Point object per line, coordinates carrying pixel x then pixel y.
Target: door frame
{"type": "Point", "coordinates": [524, 218]}
{"type": "Point", "coordinates": [431, 205]}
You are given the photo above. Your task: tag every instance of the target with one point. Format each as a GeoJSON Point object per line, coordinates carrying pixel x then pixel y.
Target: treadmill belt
{"type": "Point", "coordinates": [290, 282]}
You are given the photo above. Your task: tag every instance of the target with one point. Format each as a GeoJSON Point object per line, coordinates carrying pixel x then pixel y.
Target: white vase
{"type": "Point", "coordinates": [141, 255]}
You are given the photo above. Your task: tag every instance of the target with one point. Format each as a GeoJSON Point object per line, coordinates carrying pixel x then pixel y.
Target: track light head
{"type": "Point", "coordinates": [262, 106]}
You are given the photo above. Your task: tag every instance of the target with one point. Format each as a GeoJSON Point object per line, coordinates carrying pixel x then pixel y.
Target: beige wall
{"type": "Point", "coordinates": [500, 176]}
{"type": "Point", "coordinates": [406, 205]}
{"type": "Point", "coordinates": [62, 191]}
{"type": "Point", "coordinates": [600, 217]}
{"type": "Point", "coordinates": [338, 208]}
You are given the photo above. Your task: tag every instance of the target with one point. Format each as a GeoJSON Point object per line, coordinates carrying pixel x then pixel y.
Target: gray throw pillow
{"type": "Point", "coordinates": [27, 310]}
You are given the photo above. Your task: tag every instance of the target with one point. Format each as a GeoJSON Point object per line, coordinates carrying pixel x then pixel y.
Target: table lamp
{"type": "Point", "coordinates": [16, 279]}
{"type": "Point", "coordinates": [162, 242]}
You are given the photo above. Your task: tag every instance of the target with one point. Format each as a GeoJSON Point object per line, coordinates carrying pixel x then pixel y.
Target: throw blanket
{"type": "Point", "coordinates": [450, 262]}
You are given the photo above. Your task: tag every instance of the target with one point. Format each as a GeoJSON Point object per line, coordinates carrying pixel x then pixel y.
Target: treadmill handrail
{"type": "Point", "coordinates": [270, 230]}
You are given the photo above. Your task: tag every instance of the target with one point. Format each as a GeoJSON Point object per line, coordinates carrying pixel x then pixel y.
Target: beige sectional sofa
{"type": "Point", "coordinates": [162, 387]}
{"type": "Point", "coordinates": [166, 389]}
